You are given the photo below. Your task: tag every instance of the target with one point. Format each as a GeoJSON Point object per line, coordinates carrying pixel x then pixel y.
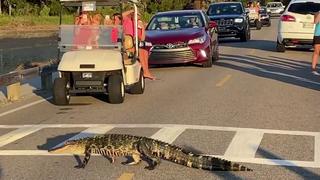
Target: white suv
{"type": "Point", "coordinates": [275, 8]}
{"type": "Point", "coordinates": [296, 25]}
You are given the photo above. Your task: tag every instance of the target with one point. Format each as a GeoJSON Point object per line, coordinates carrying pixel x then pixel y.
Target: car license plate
{"type": "Point", "coordinates": [308, 25]}
{"type": "Point", "coordinates": [86, 75]}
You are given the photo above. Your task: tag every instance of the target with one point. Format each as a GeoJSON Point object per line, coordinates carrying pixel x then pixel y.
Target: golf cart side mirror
{"type": "Point", "coordinates": [213, 24]}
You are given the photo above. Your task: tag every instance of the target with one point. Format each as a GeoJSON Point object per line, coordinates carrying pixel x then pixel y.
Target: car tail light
{"type": "Point", "coordinates": [287, 18]}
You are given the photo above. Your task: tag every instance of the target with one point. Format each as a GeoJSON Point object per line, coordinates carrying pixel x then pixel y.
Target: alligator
{"type": "Point", "coordinates": [116, 145]}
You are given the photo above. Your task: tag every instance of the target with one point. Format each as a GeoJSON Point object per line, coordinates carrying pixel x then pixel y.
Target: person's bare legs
{"type": "Point", "coordinates": [315, 57]}
{"type": "Point", "coordinates": [143, 56]}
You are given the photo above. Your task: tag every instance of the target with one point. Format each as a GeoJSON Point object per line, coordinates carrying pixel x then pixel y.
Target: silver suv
{"type": "Point", "coordinates": [275, 8]}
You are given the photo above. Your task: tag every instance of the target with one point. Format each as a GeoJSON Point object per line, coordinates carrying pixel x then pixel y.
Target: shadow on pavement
{"type": "Point", "coordinates": [220, 174]}
{"type": "Point", "coordinates": [302, 172]}
{"type": "Point", "coordinates": [52, 142]}
{"type": "Point", "coordinates": [287, 71]}
{"type": "Point", "coordinates": [265, 45]}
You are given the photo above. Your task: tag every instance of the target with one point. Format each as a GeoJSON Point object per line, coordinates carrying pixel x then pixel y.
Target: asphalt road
{"type": "Point", "coordinates": [255, 106]}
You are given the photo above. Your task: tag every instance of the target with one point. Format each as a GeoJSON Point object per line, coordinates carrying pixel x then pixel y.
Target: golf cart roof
{"type": "Point", "coordinates": [98, 2]}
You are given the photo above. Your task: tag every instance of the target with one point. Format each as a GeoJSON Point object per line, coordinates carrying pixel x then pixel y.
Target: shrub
{"type": "Point", "coordinates": [44, 11]}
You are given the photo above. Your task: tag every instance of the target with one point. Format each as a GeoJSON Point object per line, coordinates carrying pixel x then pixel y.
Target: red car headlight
{"type": "Point", "coordinates": [148, 44]}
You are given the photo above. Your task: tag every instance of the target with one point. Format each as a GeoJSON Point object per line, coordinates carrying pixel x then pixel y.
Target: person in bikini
{"type": "Point", "coordinates": [95, 31]}
{"type": "Point", "coordinates": [316, 44]}
{"type": "Point", "coordinates": [128, 29]}
{"type": "Point", "coordinates": [82, 31]}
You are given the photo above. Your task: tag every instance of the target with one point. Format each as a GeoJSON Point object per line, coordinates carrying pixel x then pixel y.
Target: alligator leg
{"type": "Point", "coordinates": [111, 159]}
{"type": "Point", "coordinates": [136, 160]}
{"type": "Point", "coordinates": [148, 154]}
{"type": "Point", "coordinates": [86, 158]}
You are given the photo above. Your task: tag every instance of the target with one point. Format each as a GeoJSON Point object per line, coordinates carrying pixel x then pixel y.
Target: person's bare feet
{"type": "Point", "coordinates": [149, 76]}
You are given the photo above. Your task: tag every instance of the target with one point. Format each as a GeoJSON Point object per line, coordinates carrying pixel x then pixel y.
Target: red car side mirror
{"type": "Point", "coordinates": [213, 24]}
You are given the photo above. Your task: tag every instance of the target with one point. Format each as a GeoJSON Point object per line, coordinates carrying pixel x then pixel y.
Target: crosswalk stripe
{"type": "Point", "coordinates": [273, 162]}
{"type": "Point", "coordinates": [17, 134]}
{"type": "Point", "coordinates": [168, 134]}
{"type": "Point", "coordinates": [90, 132]}
{"type": "Point", "coordinates": [194, 127]}
{"type": "Point", "coordinates": [247, 141]}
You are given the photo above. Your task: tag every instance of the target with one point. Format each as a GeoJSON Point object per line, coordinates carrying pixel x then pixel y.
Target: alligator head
{"type": "Point", "coordinates": [70, 147]}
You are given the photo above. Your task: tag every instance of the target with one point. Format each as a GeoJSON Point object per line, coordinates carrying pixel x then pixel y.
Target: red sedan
{"type": "Point", "coordinates": [187, 36]}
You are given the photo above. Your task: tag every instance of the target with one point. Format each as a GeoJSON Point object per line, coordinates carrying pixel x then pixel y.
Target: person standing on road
{"type": "Point", "coordinates": [128, 28]}
{"type": "Point", "coordinates": [316, 43]}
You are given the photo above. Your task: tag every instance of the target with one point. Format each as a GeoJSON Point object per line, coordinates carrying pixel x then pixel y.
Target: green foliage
{"type": "Point", "coordinates": [45, 11]}
{"type": "Point", "coordinates": [47, 8]}
{"type": "Point", "coordinates": [33, 20]}
{"type": "Point", "coordinates": [54, 7]}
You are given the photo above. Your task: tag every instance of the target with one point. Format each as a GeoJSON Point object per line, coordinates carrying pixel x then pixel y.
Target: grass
{"type": "Point", "coordinates": [21, 21]}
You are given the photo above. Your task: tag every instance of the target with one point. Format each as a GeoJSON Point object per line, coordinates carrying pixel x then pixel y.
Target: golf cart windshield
{"type": "Point", "coordinates": [87, 37]}
{"type": "Point", "coordinates": [88, 33]}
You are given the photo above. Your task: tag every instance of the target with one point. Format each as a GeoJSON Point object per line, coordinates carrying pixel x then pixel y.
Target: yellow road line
{"type": "Point", "coordinates": [223, 81]}
{"type": "Point", "coordinates": [126, 176]}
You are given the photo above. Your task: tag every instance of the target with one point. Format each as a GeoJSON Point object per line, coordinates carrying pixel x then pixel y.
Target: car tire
{"type": "Point", "coordinates": [245, 36]}
{"type": "Point", "coordinates": [258, 25]}
{"type": "Point", "coordinates": [116, 89]}
{"type": "Point", "coordinates": [138, 88]}
{"type": "Point", "coordinates": [61, 95]}
{"type": "Point", "coordinates": [280, 47]}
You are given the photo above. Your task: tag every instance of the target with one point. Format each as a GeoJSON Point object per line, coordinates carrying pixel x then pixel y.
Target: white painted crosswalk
{"type": "Point", "coordinates": [244, 144]}
{"type": "Point", "coordinates": [242, 148]}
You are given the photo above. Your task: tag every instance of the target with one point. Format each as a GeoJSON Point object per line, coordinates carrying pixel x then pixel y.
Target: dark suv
{"type": "Point", "coordinates": [231, 18]}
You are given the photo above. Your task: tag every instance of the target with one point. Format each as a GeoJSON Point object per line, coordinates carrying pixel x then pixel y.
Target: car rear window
{"type": "Point", "coordinates": [225, 9]}
{"type": "Point", "coordinates": [304, 8]}
{"type": "Point", "coordinates": [274, 5]}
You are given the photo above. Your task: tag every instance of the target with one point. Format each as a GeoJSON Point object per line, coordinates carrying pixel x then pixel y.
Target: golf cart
{"type": "Point", "coordinates": [97, 59]}
{"type": "Point", "coordinates": [254, 16]}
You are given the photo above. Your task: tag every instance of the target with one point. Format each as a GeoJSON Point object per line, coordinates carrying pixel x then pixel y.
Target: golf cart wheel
{"type": "Point", "coordinates": [258, 25]}
{"type": "Point", "coordinates": [269, 24]}
{"type": "Point", "coordinates": [138, 88]}
{"type": "Point", "coordinates": [281, 47]}
{"type": "Point", "coordinates": [60, 92]}
{"type": "Point", "coordinates": [116, 89]}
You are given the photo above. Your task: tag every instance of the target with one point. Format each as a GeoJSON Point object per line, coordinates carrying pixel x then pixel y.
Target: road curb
{"type": "Point", "coordinates": [28, 88]}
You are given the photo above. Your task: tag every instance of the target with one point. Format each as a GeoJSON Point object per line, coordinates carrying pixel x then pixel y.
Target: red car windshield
{"type": "Point", "coordinates": [176, 22]}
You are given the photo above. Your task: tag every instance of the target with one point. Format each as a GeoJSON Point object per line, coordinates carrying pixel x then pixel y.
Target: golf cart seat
{"type": "Point", "coordinates": [129, 49]}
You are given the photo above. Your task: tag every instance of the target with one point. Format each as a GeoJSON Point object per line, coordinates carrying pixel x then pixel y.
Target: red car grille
{"type": "Point", "coordinates": [170, 46]}
{"type": "Point", "coordinates": [186, 55]}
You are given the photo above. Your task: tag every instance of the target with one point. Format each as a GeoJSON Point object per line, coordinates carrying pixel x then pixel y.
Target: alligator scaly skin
{"type": "Point", "coordinates": [115, 145]}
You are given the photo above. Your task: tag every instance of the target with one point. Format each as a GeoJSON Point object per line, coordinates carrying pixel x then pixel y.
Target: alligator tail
{"type": "Point", "coordinates": [215, 164]}
{"type": "Point", "coordinates": [204, 162]}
